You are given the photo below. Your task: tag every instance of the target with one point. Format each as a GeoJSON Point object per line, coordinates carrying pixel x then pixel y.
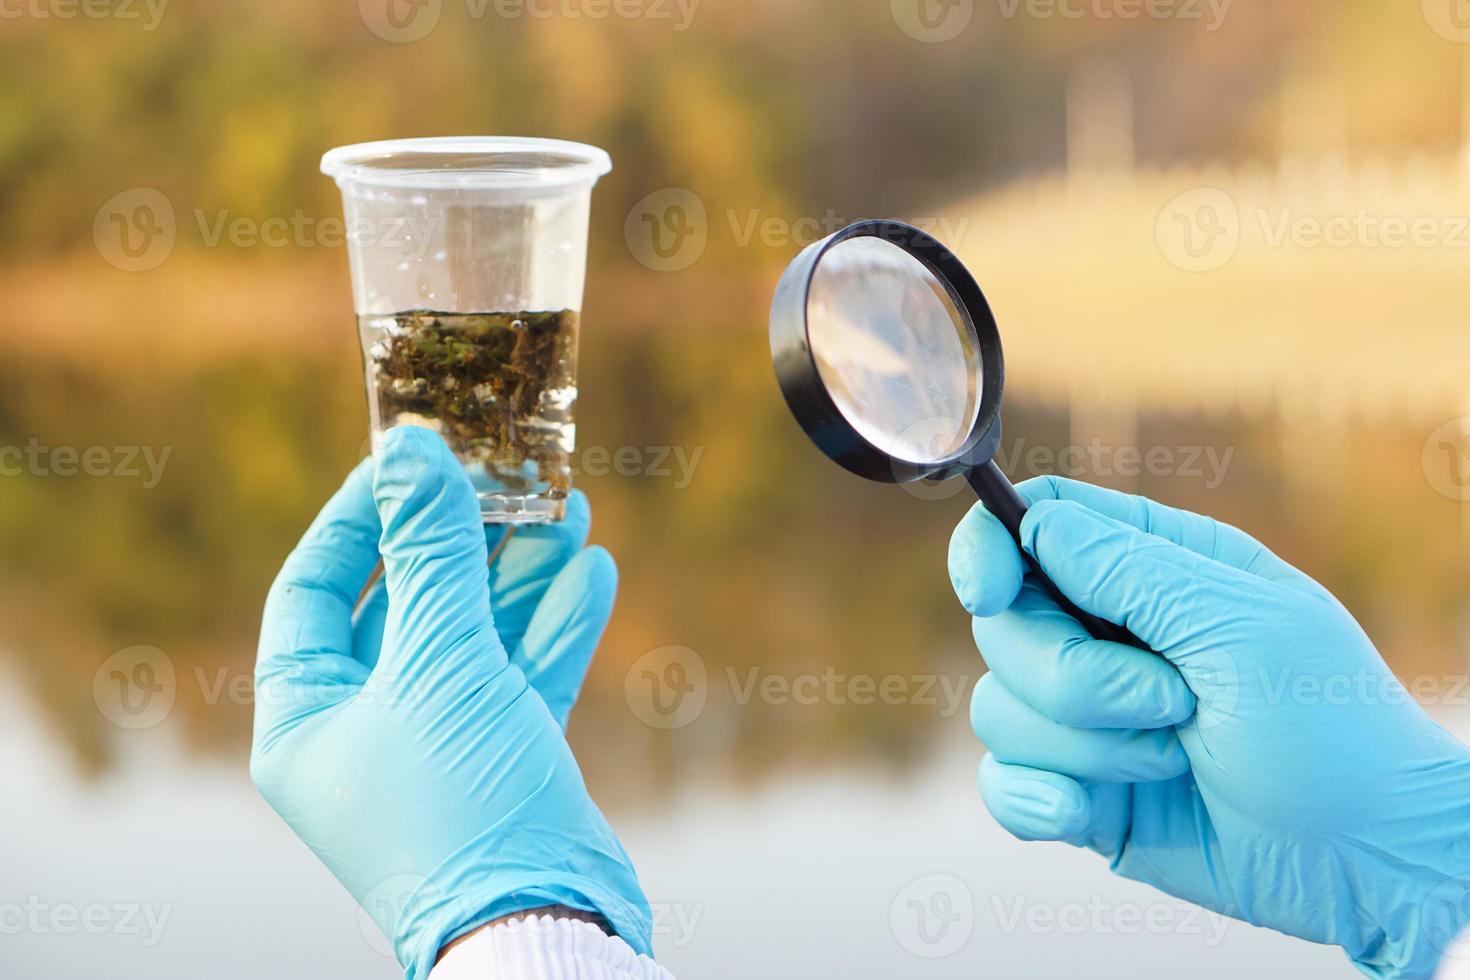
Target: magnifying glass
{"type": "Point", "coordinates": [889, 357]}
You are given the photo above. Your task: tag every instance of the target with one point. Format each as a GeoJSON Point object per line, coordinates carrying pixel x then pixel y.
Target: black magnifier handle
{"type": "Point", "coordinates": [1002, 500]}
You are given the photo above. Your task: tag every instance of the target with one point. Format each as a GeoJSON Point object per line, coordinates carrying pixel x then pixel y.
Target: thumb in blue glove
{"type": "Point", "coordinates": [551, 598]}
{"type": "Point", "coordinates": [1267, 765]}
{"type": "Point", "coordinates": [424, 771]}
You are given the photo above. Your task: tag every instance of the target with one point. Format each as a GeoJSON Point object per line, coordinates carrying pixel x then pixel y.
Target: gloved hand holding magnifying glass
{"type": "Point", "coordinates": [1235, 739]}
{"type": "Point", "coordinates": [1267, 765]}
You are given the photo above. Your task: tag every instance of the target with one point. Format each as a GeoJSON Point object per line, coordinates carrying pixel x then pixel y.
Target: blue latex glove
{"type": "Point", "coordinates": [1267, 766]}
{"type": "Point", "coordinates": [408, 749]}
{"type": "Point", "coordinates": [551, 598]}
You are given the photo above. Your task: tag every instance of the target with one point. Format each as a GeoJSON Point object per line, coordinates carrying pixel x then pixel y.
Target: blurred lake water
{"type": "Point", "coordinates": [168, 868]}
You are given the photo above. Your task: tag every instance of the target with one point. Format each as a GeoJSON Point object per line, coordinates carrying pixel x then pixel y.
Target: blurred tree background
{"type": "Point", "coordinates": [242, 360]}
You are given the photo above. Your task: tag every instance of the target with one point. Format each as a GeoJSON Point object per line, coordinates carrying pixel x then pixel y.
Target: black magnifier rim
{"type": "Point", "coordinates": [807, 396]}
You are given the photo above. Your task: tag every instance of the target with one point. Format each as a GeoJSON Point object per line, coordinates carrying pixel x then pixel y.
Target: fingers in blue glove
{"type": "Point", "coordinates": [1046, 659]}
{"type": "Point", "coordinates": [1139, 580]}
{"type": "Point", "coordinates": [1133, 825]}
{"type": "Point", "coordinates": [1018, 734]}
{"type": "Point", "coordinates": [523, 562]}
{"type": "Point", "coordinates": [305, 654]}
{"type": "Point", "coordinates": [564, 631]}
{"type": "Point", "coordinates": [1037, 805]}
{"type": "Point", "coordinates": [433, 548]}
{"type": "Point", "coordinates": [522, 576]}
{"type": "Point", "coordinates": [1202, 535]}
{"type": "Point", "coordinates": [529, 560]}
{"type": "Point", "coordinates": [1033, 804]}
{"type": "Point", "coordinates": [986, 568]}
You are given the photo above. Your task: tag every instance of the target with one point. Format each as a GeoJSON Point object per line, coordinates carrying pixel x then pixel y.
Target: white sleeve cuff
{"type": "Point", "coordinates": [1455, 964]}
{"type": "Point", "coordinates": [540, 947]}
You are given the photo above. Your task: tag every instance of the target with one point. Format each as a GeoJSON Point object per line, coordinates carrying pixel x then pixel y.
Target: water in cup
{"type": "Point", "coordinates": [468, 258]}
{"type": "Point", "coordinates": [499, 387]}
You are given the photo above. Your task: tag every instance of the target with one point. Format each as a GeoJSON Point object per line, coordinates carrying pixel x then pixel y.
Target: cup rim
{"type": "Point", "coordinates": [370, 163]}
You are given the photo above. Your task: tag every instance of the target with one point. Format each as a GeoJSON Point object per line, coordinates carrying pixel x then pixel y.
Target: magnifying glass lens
{"type": "Point", "coordinates": [887, 326]}
{"type": "Point", "coordinates": [894, 349]}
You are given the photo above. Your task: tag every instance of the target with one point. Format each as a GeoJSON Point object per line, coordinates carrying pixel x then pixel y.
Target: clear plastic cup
{"type": "Point", "coordinates": [468, 259]}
